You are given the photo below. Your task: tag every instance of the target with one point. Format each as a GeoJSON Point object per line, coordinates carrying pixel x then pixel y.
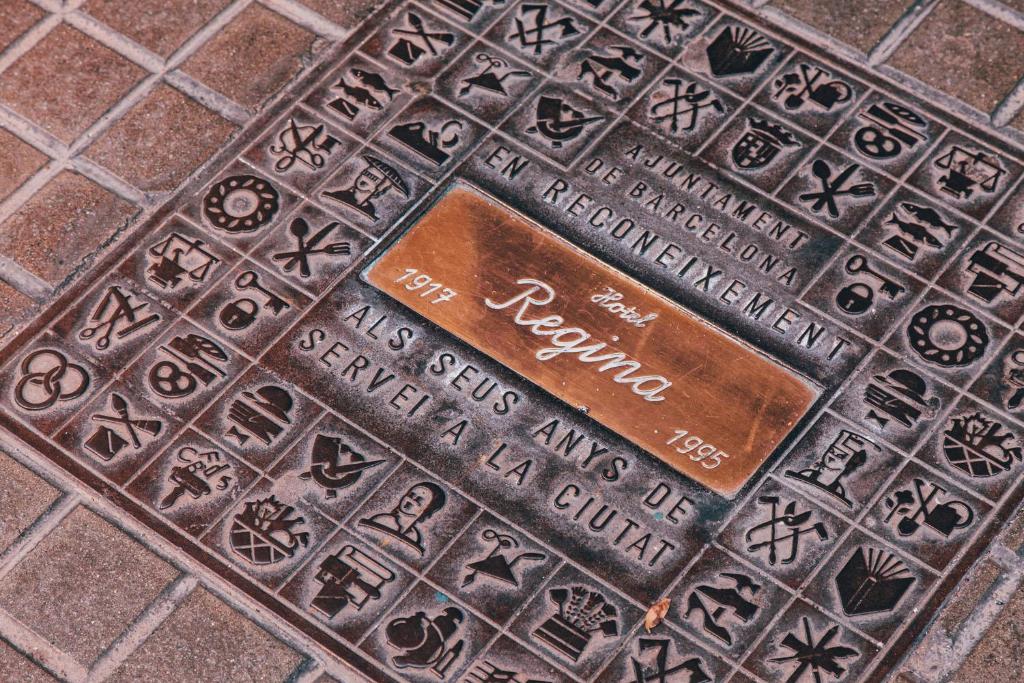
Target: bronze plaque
{"type": "Point", "coordinates": [516, 318]}
{"type": "Point", "coordinates": [643, 366]}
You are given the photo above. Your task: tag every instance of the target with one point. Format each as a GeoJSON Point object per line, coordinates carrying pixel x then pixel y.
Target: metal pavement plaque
{"type": "Point", "coordinates": [518, 318]}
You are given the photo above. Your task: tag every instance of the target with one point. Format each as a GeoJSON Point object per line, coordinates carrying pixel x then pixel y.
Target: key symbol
{"type": "Point", "coordinates": [251, 280]}
{"type": "Point", "coordinates": [857, 297]}
{"type": "Point", "coordinates": [240, 313]}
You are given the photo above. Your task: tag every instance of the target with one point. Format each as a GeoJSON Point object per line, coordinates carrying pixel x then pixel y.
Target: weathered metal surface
{"type": "Point", "coordinates": [431, 508]}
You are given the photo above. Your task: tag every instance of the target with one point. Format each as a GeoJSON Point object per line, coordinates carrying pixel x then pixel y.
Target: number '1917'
{"type": "Point", "coordinates": [416, 281]}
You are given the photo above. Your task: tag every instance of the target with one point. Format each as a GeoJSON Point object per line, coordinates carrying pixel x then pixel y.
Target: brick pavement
{"type": "Point", "coordinates": [107, 107]}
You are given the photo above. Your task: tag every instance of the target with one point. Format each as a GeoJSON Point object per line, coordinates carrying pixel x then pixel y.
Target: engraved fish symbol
{"type": "Point", "coordinates": [361, 96]}
{"type": "Point", "coordinates": [374, 82]}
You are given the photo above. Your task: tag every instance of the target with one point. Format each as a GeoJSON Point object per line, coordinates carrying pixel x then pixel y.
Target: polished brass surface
{"type": "Point", "coordinates": [667, 380]}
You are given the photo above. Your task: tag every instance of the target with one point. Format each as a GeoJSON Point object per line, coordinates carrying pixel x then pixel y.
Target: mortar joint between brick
{"type": "Point", "coordinates": [23, 280]}
{"type": "Point", "coordinates": [112, 115]}
{"type": "Point", "coordinates": [209, 98]}
{"type": "Point", "coordinates": [999, 11]}
{"type": "Point", "coordinates": [257, 613]}
{"type": "Point", "coordinates": [1006, 559]}
{"type": "Point", "coordinates": [306, 671]}
{"type": "Point", "coordinates": [307, 18]}
{"type": "Point", "coordinates": [48, 5]}
{"type": "Point", "coordinates": [39, 650]}
{"type": "Point", "coordinates": [32, 133]}
{"type": "Point", "coordinates": [142, 627]}
{"type": "Point", "coordinates": [904, 26]}
{"type": "Point", "coordinates": [108, 180]}
{"type": "Point", "coordinates": [946, 655]}
{"type": "Point", "coordinates": [46, 523]}
{"type": "Point", "coordinates": [28, 40]}
{"type": "Point", "coordinates": [108, 37]}
{"type": "Point", "coordinates": [212, 27]}
{"type": "Point", "coordinates": [1011, 105]}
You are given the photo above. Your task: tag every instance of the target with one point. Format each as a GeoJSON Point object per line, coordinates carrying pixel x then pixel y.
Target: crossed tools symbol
{"type": "Point", "coordinates": [299, 229]}
{"type": "Point", "coordinates": [124, 418]}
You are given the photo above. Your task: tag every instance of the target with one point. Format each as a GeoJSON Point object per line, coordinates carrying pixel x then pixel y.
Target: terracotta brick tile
{"type": "Point", "coordinates": [253, 57]}
{"type": "Point", "coordinates": [161, 25]}
{"type": "Point", "coordinates": [970, 591]}
{"type": "Point", "coordinates": [63, 223]}
{"type": "Point", "coordinates": [16, 17]}
{"type": "Point", "coordinates": [18, 162]}
{"type": "Point", "coordinates": [23, 496]}
{"type": "Point", "coordinates": [83, 584]}
{"type": "Point", "coordinates": [1012, 534]}
{"type": "Point", "coordinates": [161, 140]}
{"type": "Point", "coordinates": [860, 24]}
{"type": "Point", "coordinates": [957, 40]}
{"type": "Point", "coordinates": [14, 308]}
{"type": "Point", "coordinates": [66, 82]}
{"type": "Point", "coordinates": [345, 14]}
{"type": "Point", "coordinates": [12, 661]}
{"type": "Point", "coordinates": [998, 655]}
{"type": "Point", "coordinates": [220, 644]}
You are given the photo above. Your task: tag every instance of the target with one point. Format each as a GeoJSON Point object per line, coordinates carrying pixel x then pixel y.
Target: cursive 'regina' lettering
{"type": "Point", "coordinates": [576, 340]}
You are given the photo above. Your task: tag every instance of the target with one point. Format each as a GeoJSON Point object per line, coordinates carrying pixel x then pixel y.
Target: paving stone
{"type": "Point", "coordinates": [161, 25]}
{"type": "Point", "coordinates": [256, 54]}
{"type": "Point", "coordinates": [345, 14]}
{"type": "Point", "coordinates": [206, 640]}
{"type": "Point", "coordinates": [12, 661]}
{"type": "Point", "coordinates": [18, 162]}
{"type": "Point", "coordinates": [16, 17]}
{"type": "Point", "coordinates": [161, 140]}
{"type": "Point", "coordinates": [998, 655]}
{"type": "Point", "coordinates": [860, 24]}
{"type": "Point", "coordinates": [1014, 4]}
{"type": "Point", "coordinates": [61, 225]}
{"type": "Point", "coordinates": [968, 594]}
{"type": "Point", "coordinates": [14, 307]}
{"type": "Point", "coordinates": [66, 82]}
{"type": "Point", "coordinates": [957, 39]}
{"type": "Point", "coordinates": [83, 584]}
{"type": "Point", "coordinates": [1013, 532]}
{"type": "Point", "coordinates": [23, 497]}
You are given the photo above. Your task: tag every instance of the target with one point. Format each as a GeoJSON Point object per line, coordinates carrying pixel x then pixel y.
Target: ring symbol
{"type": "Point", "coordinates": [48, 374]}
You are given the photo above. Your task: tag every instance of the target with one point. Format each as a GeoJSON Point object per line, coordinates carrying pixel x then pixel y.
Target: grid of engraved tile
{"type": "Point", "coordinates": [158, 378]}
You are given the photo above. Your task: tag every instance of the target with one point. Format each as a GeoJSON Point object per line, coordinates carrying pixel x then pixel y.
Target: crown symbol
{"type": "Point", "coordinates": [581, 613]}
{"type": "Point", "coordinates": [782, 136]}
